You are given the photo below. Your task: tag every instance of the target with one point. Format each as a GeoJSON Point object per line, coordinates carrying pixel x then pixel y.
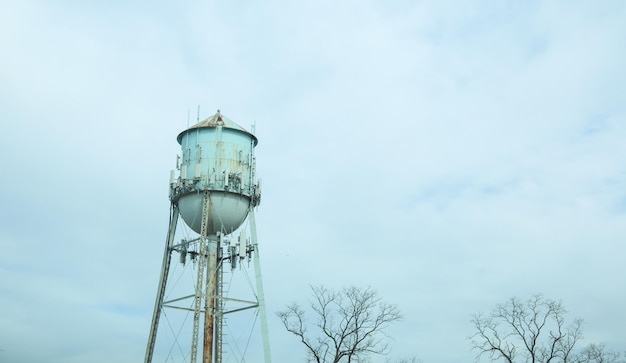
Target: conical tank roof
{"type": "Point", "coordinates": [218, 120]}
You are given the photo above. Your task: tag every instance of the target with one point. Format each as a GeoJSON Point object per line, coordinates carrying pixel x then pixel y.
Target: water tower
{"type": "Point", "coordinates": [214, 193]}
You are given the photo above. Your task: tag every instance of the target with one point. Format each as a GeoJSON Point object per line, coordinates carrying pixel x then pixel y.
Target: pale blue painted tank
{"type": "Point", "coordinates": [218, 157]}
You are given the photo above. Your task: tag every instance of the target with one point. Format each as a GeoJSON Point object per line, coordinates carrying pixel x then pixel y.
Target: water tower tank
{"type": "Point", "coordinates": [218, 157]}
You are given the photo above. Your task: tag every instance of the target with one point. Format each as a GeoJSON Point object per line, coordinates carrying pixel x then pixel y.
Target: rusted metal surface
{"type": "Point", "coordinates": [218, 120]}
{"type": "Point", "coordinates": [209, 303]}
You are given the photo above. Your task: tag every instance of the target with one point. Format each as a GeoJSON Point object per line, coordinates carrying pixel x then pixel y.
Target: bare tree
{"type": "Point", "coordinates": [533, 331]}
{"type": "Point", "coordinates": [347, 325]}
{"type": "Point", "coordinates": [597, 353]}
{"type": "Point", "coordinates": [407, 360]}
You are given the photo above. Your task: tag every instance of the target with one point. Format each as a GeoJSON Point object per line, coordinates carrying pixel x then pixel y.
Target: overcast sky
{"type": "Point", "coordinates": [449, 154]}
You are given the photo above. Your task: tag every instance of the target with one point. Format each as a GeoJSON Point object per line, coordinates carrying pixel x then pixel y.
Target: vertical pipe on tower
{"type": "Point", "coordinates": [209, 302]}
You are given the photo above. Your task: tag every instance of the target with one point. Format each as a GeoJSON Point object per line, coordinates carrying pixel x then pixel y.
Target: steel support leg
{"type": "Point", "coordinates": [165, 268]}
{"type": "Point", "coordinates": [259, 287]}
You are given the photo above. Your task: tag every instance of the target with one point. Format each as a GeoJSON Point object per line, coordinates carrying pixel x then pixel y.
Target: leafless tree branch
{"type": "Point", "coordinates": [533, 331]}
{"type": "Point", "coordinates": [349, 323]}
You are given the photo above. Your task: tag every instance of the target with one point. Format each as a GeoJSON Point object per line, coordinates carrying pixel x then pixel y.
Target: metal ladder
{"type": "Point", "coordinates": [202, 261]}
